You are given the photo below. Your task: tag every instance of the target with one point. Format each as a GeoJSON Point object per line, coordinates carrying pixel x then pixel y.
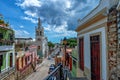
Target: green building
{"type": "Point", "coordinates": [7, 52]}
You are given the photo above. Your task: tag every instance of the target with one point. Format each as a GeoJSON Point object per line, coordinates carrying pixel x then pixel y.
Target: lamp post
{"type": "Point", "coordinates": [65, 42]}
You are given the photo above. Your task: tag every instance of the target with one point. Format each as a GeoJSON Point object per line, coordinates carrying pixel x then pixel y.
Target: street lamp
{"type": "Point", "coordinates": [65, 42]}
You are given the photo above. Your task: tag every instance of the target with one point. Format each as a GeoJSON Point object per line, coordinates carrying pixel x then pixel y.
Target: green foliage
{"type": "Point", "coordinates": [3, 22]}
{"type": "Point", "coordinates": [50, 44]}
{"type": "Point", "coordinates": [72, 42]}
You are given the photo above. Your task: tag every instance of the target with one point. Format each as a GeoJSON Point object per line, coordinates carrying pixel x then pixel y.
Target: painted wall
{"type": "Point", "coordinates": [103, 51]}
{"type": "Point", "coordinates": [74, 66]}
{"type": "Point", "coordinates": [4, 62]}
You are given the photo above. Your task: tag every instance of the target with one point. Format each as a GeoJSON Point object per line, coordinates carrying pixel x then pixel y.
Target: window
{"type": "Point", "coordinates": [1, 60]}
{"type": "Point", "coordinates": [11, 59]}
{"type": "Point", "coordinates": [40, 33]}
{"type": "Point", "coordinates": [11, 37]}
{"type": "Point", "coordinates": [26, 60]}
{"type": "Point", "coordinates": [1, 35]}
{"type": "Point", "coordinates": [81, 54]}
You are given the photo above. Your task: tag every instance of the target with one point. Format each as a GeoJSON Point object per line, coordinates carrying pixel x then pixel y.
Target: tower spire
{"type": "Point", "coordinates": [39, 23]}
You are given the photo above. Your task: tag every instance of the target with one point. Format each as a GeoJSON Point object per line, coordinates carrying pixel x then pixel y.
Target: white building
{"type": "Point", "coordinates": [98, 42]}
{"type": "Point", "coordinates": [41, 40]}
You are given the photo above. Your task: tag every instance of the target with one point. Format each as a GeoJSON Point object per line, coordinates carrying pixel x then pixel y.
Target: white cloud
{"type": "Point", "coordinates": [28, 3]}
{"type": "Point", "coordinates": [34, 39]}
{"type": "Point", "coordinates": [21, 26]}
{"type": "Point", "coordinates": [29, 13]}
{"type": "Point", "coordinates": [62, 28]}
{"type": "Point", "coordinates": [48, 28]}
{"type": "Point", "coordinates": [61, 31]}
{"type": "Point", "coordinates": [30, 19]}
{"type": "Point", "coordinates": [68, 3]}
{"type": "Point", "coordinates": [25, 32]}
{"type": "Point", "coordinates": [21, 33]}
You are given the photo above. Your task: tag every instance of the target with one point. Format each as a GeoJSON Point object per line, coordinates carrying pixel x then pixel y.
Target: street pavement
{"type": "Point", "coordinates": [42, 70]}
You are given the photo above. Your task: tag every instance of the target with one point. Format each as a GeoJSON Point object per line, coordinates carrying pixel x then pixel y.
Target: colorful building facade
{"type": "Point", "coordinates": [7, 53]}
{"type": "Point", "coordinates": [26, 62]}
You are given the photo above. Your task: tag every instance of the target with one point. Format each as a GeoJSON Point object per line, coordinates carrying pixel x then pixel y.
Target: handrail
{"type": "Point", "coordinates": [53, 73]}
{"type": "Point", "coordinates": [70, 77]}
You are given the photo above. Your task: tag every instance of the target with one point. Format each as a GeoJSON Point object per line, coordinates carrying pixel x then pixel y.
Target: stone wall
{"type": "Point", "coordinates": [112, 44]}
{"type": "Point", "coordinates": [118, 54]}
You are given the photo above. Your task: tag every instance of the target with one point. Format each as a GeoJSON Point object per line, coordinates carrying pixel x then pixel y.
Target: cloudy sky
{"type": "Point", "coordinates": [59, 17]}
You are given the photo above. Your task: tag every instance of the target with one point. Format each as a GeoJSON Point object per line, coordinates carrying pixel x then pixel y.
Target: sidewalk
{"type": "Point", "coordinates": [41, 71]}
{"type": "Point", "coordinates": [41, 64]}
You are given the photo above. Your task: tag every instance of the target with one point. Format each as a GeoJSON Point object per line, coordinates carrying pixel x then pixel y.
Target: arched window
{"type": "Point", "coordinates": [40, 32]}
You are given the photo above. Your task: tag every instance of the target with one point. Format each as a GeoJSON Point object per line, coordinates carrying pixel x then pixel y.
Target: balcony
{"type": "Point", "coordinates": [56, 74]}
{"type": "Point", "coordinates": [62, 73]}
{"type": "Point", "coordinates": [6, 45]}
{"type": "Point", "coordinates": [7, 72]}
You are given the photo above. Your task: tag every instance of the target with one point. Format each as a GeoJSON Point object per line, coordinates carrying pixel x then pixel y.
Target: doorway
{"type": "Point", "coordinates": [95, 57]}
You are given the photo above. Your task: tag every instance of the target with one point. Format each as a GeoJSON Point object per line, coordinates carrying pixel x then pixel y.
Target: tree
{"type": "Point", "coordinates": [2, 22]}
{"type": "Point", "coordinates": [50, 44]}
{"type": "Point", "coordinates": [72, 42]}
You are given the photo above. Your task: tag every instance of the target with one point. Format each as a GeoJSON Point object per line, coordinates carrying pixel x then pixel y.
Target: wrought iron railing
{"type": "Point", "coordinates": [56, 74]}
{"type": "Point", "coordinates": [6, 42]}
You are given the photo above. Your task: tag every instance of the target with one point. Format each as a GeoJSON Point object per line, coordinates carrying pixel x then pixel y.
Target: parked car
{"type": "Point", "coordinates": [48, 58]}
{"type": "Point", "coordinates": [51, 68]}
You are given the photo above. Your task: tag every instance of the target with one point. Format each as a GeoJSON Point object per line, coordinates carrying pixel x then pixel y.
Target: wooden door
{"type": "Point", "coordinates": [95, 57]}
{"type": "Point", "coordinates": [81, 53]}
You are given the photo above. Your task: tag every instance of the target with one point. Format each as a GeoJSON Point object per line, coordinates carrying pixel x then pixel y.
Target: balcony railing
{"type": "Point", "coordinates": [57, 74]}
{"type": "Point", "coordinates": [6, 45]}
{"type": "Point", "coordinates": [68, 76]}
{"type": "Point", "coordinates": [6, 42]}
{"type": "Point", "coordinates": [7, 72]}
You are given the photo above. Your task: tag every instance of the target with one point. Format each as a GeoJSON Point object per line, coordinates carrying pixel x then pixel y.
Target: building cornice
{"type": "Point", "coordinates": [100, 15]}
{"type": "Point", "coordinates": [103, 7]}
{"type": "Point", "coordinates": [94, 12]}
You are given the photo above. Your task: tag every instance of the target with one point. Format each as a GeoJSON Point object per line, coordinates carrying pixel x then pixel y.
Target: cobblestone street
{"type": "Point", "coordinates": [42, 70]}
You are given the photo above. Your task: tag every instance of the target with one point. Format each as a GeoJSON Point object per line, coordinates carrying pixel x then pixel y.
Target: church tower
{"type": "Point", "coordinates": [39, 38]}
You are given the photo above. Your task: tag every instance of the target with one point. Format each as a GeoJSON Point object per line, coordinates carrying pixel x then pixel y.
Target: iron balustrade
{"type": "Point", "coordinates": [6, 42]}
{"type": "Point", "coordinates": [56, 74]}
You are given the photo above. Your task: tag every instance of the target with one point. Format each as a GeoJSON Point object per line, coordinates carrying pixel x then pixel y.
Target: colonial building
{"type": "Point", "coordinates": [98, 42]}
{"type": "Point", "coordinates": [26, 57]}
{"type": "Point", "coordinates": [26, 62]}
{"type": "Point", "coordinates": [7, 53]}
{"type": "Point", "coordinates": [41, 40]}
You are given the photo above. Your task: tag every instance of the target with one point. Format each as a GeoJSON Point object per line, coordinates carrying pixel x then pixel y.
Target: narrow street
{"type": "Point", "coordinates": [42, 70]}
